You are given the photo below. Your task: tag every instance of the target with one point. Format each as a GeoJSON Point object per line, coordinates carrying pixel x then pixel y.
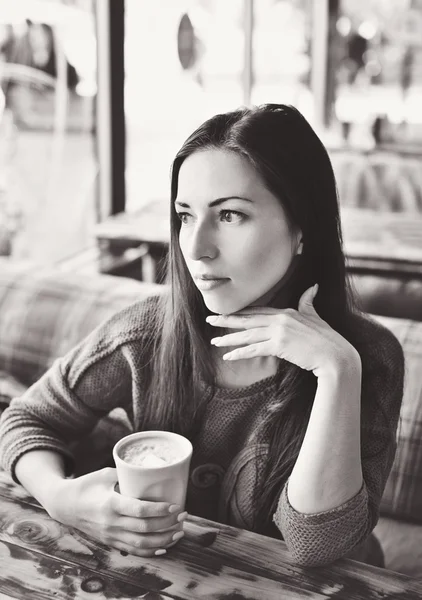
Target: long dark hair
{"type": "Point", "coordinates": [295, 167]}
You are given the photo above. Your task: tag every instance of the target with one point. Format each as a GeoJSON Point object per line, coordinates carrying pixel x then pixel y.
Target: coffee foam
{"type": "Point", "coordinates": [150, 453]}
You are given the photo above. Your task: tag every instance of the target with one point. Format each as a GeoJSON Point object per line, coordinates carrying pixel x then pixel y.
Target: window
{"type": "Point", "coordinates": [183, 63]}
{"type": "Point", "coordinates": [281, 54]}
{"type": "Point", "coordinates": [353, 67]}
{"type": "Point", "coordinates": [377, 49]}
{"type": "Point", "coordinates": [187, 61]}
{"type": "Point", "coordinates": [374, 94]}
{"type": "Point", "coordinates": [47, 163]}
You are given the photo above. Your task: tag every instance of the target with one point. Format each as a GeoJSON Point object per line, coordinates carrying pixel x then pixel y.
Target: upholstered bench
{"type": "Point", "coordinates": [43, 314]}
{"type": "Point", "coordinates": [400, 526]}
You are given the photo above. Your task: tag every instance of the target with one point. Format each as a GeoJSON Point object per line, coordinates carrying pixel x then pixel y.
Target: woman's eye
{"type": "Point", "coordinates": [183, 216]}
{"type": "Point", "coordinates": [231, 216]}
{"type": "Point", "coordinates": [227, 216]}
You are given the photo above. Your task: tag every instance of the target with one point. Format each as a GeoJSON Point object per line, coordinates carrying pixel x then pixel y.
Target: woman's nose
{"type": "Point", "coordinates": [202, 243]}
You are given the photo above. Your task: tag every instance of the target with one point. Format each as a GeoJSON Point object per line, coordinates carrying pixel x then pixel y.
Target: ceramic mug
{"type": "Point", "coordinates": [166, 483]}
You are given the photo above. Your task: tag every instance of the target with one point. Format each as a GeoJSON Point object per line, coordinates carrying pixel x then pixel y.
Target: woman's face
{"type": "Point", "coordinates": [234, 234]}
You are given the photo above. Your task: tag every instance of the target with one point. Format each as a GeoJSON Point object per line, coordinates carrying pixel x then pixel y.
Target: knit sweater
{"type": "Point", "coordinates": [106, 371]}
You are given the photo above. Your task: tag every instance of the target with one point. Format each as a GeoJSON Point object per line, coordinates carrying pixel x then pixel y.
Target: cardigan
{"type": "Point", "coordinates": [107, 370]}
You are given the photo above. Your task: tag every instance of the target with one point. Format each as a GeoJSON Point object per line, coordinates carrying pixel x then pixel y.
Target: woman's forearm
{"type": "Point", "coordinates": [41, 472]}
{"type": "Point", "coordinates": [328, 470]}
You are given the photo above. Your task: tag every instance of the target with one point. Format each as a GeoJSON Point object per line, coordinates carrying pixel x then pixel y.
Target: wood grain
{"type": "Point", "coordinates": [30, 528]}
{"type": "Point", "coordinates": [31, 575]}
{"type": "Point", "coordinates": [39, 556]}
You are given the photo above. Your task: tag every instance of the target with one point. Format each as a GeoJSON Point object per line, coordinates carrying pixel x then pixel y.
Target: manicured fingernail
{"type": "Point", "coordinates": [174, 508]}
{"type": "Point", "coordinates": [315, 290]}
{"type": "Point", "coordinates": [178, 536]}
{"type": "Point", "coordinates": [124, 553]}
{"type": "Point", "coordinates": [227, 357]}
{"type": "Point", "coordinates": [211, 319]}
{"type": "Point", "coordinates": [182, 516]}
{"type": "Point", "coordinates": [215, 341]}
{"type": "Point", "coordinates": [160, 552]}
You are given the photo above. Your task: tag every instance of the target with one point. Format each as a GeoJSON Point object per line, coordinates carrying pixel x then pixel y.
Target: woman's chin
{"type": "Point", "coordinates": [222, 306]}
{"type": "Point", "coordinates": [219, 306]}
{"type": "Point", "coordinates": [221, 302]}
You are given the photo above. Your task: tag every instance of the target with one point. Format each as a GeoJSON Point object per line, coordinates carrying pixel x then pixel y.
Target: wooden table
{"type": "Point", "coordinates": [374, 241]}
{"type": "Point", "coordinates": [40, 559]}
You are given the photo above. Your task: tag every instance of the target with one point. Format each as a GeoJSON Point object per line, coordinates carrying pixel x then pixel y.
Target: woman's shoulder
{"type": "Point", "coordinates": [136, 320]}
{"type": "Point", "coordinates": [378, 346]}
{"type": "Point", "coordinates": [134, 326]}
{"type": "Point", "coordinates": [136, 323]}
{"type": "Point", "coordinates": [375, 336]}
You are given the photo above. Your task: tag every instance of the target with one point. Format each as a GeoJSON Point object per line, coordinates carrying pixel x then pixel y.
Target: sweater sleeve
{"type": "Point", "coordinates": [321, 538]}
{"type": "Point", "coordinates": [67, 402]}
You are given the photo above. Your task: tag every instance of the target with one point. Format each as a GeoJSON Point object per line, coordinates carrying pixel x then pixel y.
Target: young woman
{"type": "Point", "coordinates": [257, 353]}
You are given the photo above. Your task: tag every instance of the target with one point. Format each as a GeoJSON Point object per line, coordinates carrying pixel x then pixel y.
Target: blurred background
{"type": "Point", "coordinates": [96, 96]}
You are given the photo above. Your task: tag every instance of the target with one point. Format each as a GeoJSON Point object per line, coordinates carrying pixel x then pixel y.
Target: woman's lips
{"type": "Point", "coordinates": [206, 285]}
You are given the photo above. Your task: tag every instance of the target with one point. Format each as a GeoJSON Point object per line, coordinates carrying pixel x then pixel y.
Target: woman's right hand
{"type": "Point", "coordinates": [91, 504]}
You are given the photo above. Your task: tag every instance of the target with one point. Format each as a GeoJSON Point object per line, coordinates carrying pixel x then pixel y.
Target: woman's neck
{"type": "Point", "coordinates": [241, 373]}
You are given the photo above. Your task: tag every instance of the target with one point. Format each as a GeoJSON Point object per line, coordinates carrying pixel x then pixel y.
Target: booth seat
{"type": "Point", "coordinates": [396, 302]}
{"type": "Point", "coordinates": [44, 313]}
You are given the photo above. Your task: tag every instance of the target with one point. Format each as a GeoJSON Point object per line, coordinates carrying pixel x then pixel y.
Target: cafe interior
{"type": "Point", "coordinates": [97, 96]}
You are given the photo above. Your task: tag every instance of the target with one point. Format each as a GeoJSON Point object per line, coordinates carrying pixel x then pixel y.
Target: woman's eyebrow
{"type": "Point", "coordinates": [215, 202]}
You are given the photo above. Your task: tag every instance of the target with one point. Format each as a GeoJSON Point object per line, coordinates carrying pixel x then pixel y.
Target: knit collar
{"type": "Point", "coordinates": [263, 385]}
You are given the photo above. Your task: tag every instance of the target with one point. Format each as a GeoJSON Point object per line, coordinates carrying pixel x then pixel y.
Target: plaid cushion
{"type": "Point", "coordinates": [403, 493]}
{"type": "Point", "coordinates": [9, 388]}
{"type": "Point", "coordinates": [44, 313]}
{"type": "Point", "coordinates": [401, 543]}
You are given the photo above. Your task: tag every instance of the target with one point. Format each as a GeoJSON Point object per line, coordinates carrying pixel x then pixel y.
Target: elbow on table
{"type": "Point", "coordinates": [309, 558]}
{"type": "Point", "coordinates": [368, 550]}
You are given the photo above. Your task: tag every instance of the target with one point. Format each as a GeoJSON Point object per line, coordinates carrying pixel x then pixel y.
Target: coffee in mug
{"type": "Point", "coordinates": [154, 465]}
{"type": "Point", "coordinates": [150, 452]}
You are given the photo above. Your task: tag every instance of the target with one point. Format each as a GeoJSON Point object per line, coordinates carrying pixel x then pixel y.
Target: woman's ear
{"type": "Point", "coordinates": [299, 249]}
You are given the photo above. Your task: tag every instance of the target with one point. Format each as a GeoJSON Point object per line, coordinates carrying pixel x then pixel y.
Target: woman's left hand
{"type": "Point", "coordinates": [299, 336]}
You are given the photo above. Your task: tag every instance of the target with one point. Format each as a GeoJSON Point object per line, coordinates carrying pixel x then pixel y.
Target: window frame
{"type": "Point", "coordinates": [110, 138]}
{"type": "Point", "coordinates": [110, 114]}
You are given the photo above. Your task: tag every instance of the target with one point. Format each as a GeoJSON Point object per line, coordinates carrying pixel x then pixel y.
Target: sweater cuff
{"type": "Point", "coordinates": [284, 508]}
{"type": "Point", "coordinates": [321, 538]}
